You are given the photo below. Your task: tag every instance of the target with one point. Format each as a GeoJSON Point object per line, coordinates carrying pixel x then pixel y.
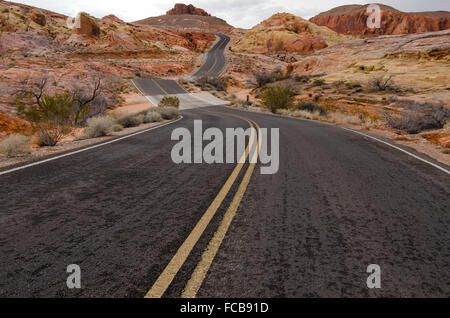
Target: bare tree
{"type": "Point", "coordinates": [83, 101]}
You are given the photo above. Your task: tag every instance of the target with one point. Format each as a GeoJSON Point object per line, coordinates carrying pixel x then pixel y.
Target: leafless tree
{"type": "Point", "coordinates": [83, 101]}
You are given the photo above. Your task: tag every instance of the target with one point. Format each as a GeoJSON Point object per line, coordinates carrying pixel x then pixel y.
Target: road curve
{"type": "Point", "coordinates": [338, 203]}
{"type": "Point", "coordinates": [215, 60]}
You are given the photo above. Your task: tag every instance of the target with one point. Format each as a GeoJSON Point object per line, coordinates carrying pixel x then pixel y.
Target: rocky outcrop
{"type": "Point", "coordinates": [284, 32]}
{"type": "Point", "coordinates": [352, 20]}
{"type": "Point", "coordinates": [38, 17]}
{"type": "Point", "coordinates": [87, 26]}
{"type": "Point", "coordinates": [112, 18]}
{"type": "Point", "coordinates": [306, 46]}
{"type": "Point", "coordinates": [181, 9]}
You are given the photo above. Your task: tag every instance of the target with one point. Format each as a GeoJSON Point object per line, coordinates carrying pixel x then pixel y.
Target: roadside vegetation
{"type": "Point", "coordinates": [106, 125]}
{"type": "Point", "coordinates": [169, 101]}
{"type": "Point", "coordinates": [54, 116]}
{"type": "Point", "coordinates": [416, 117]}
{"type": "Point", "coordinates": [278, 97]}
{"type": "Point", "coordinates": [15, 145]}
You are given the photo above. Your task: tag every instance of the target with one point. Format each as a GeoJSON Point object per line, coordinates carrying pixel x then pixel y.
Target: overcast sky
{"type": "Point", "coordinates": [239, 13]}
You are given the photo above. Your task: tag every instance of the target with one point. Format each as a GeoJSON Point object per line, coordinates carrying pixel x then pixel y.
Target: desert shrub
{"type": "Point", "coordinates": [419, 117]}
{"type": "Point", "coordinates": [99, 126]}
{"type": "Point", "coordinates": [302, 79]}
{"type": "Point", "coordinates": [51, 117]}
{"type": "Point", "coordinates": [318, 82]}
{"type": "Point", "coordinates": [168, 112]}
{"type": "Point", "coordinates": [263, 78]}
{"type": "Point", "coordinates": [116, 128]}
{"type": "Point", "coordinates": [212, 82]}
{"type": "Point", "coordinates": [278, 97]}
{"type": "Point", "coordinates": [340, 118]}
{"type": "Point", "coordinates": [169, 101]}
{"type": "Point", "coordinates": [382, 83]}
{"type": "Point", "coordinates": [307, 114]}
{"type": "Point", "coordinates": [129, 120]}
{"type": "Point", "coordinates": [414, 123]}
{"type": "Point", "coordinates": [311, 107]}
{"type": "Point", "coordinates": [15, 145]}
{"type": "Point", "coordinates": [152, 117]}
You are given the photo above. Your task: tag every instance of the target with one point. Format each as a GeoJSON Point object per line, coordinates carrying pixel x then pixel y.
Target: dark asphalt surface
{"type": "Point", "coordinates": [339, 202]}
{"type": "Point", "coordinates": [215, 61]}
{"type": "Point", "coordinates": [157, 86]}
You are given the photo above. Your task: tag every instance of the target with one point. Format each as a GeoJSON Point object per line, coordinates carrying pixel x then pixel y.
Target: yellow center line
{"type": "Point", "coordinates": [215, 57]}
{"type": "Point", "coordinates": [164, 91]}
{"type": "Point", "coordinates": [169, 273]}
{"type": "Point", "coordinates": [202, 268]}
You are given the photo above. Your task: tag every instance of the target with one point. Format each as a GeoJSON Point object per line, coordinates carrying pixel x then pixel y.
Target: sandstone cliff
{"type": "Point", "coordinates": [352, 20]}
{"type": "Point", "coordinates": [181, 9]}
{"type": "Point", "coordinates": [284, 32]}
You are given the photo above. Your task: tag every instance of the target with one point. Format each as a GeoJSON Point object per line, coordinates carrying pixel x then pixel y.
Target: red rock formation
{"type": "Point", "coordinates": [181, 9]}
{"type": "Point", "coordinates": [306, 46]}
{"type": "Point", "coordinates": [38, 17]}
{"type": "Point", "coordinates": [112, 18]}
{"type": "Point", "coordinates": [354, 22]}
{"type": "Point", "coordinates": [87, 26]}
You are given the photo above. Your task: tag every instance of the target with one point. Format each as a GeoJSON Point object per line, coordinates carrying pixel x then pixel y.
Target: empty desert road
{"type": "Point", "coordinates": [124, 211]}
{"type": "Point", "coordinates": [338, 203]}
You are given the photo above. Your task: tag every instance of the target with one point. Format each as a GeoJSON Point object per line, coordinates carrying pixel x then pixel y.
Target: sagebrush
{"type": "Point", "coordinates": [15, 145]}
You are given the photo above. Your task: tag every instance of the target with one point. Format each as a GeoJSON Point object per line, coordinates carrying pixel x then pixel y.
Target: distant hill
{"type": "Point", "coordinates": [351, 20]}
{"type": "Point", "coordinates": [284, 32]}
{"type": "Point", "coordinates": [183, 18]}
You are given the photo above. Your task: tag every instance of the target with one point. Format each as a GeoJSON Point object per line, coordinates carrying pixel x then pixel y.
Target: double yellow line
{"type": "Point", "coordinates": [193, 285]}
{"type": "Point", "coordinates": [215, 56]}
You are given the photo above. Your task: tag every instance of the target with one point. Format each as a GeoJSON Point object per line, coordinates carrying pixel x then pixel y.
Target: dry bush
{"type": "Point", "coordinates": [278, 97]}
{"type": "Point", "coordinates": [419, 117]}
{"type": "Point", "coordinates": [382, 83]}
{"type": "Point", "coordinates": [152, 117]}
{"type": "Point", "coordinates": [310, 107]}
{"type": "Point", "coordinates": [99, 126]}
{"type": "Point", "coordinates": [169, 101]}
{"type": "Point", "coordinates": [212, 82]}
{"type": "Point", "coordinates": [129, 120]}
{"type": "Point", "coordinates": [340, 118]}
{"type": "Point", "coordinates": [169, 112]}
{"type": "Point", "coordinates": [307, 115]}
{"type": "Point", "coordinates": [15, 145]}
{"type": "Point", "coordinates": [263, 78]}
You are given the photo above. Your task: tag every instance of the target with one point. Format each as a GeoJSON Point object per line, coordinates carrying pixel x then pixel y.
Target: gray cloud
{"type": "Point", "coordinates": [239, 13]}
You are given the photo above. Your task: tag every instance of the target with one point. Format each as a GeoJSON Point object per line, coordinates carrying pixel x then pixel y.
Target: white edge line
{"type": "Point", "coordinates": [398, 148]}
{"type": "Point", "coordinates": [356, 132]}
{"type": "Point", "coordinates": [142, 93]}
{"type": "Point", "coordinates": [88, 148]}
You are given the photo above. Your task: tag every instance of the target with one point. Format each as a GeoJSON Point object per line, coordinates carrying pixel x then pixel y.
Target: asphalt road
{"type": "Point", "coordinates": [123, 211]}
{"type": "Point", "coordinates": [215, 61]}
{"type": "Point", "coordinates": [339, 203]}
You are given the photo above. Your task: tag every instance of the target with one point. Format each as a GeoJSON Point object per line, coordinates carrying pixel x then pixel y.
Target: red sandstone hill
{"type": "Point", "coordinates": [181, 9]}
{"type": "Point", "coordinates": [187, 18]}
{"type": "Point", "coordinates": [351, 19]}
